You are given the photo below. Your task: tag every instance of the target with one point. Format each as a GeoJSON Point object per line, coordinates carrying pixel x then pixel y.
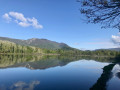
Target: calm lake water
{"type": "Point", "coordinates": [58, 73]}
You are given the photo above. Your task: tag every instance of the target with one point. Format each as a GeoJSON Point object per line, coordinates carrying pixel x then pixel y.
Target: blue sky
{"type": "Point", "coordinates": [57, 20]}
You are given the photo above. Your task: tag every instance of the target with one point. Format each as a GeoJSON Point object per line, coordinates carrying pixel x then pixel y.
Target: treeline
{"type": "Point", "coordinates": [10, 47]}
{"type": "Point", "coordinates": [80, 52]}
{"type": "Point", "coordinates": [89, 53]}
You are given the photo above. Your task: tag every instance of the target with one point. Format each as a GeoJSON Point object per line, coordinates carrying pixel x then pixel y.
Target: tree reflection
{"type": "Point", "coordinates": [43, 62]}
{"type": "Point", "coordinates": [104, 78]}
{"type": "Point", "coordinates": [109, 72]}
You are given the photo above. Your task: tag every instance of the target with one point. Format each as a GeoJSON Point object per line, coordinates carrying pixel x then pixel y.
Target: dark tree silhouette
{"type": "Point", "coordinates": [106, 12]}
{"type": "Point", "coordinates": [104, 78]}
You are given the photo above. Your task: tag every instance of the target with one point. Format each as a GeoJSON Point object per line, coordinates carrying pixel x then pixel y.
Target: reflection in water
{"type": "Point", "coordinates": [104, 78]}
{"type": "Point", "coordinates": [116, 71]}
{"type": "Point", "coordinates": [118, 75]}
{"type": "Point", "coordinates": [65, 77]}
{"type": "Point", "coordinates": [42, 62]}
{"type": "Point", "coordinates": [110, 71]}
{"type": "Point", "coordinates": [20, 85]}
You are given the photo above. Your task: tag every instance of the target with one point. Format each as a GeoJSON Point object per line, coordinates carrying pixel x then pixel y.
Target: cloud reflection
{"type": "Point", "coordinates": [20, 85]}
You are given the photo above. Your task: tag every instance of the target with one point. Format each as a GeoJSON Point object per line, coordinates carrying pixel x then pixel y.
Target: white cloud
{"type": "Point", "coordinates": [24, 24]}
{"type": "Point", "coordinates": [18, 16]}
{"type": "Point", "coordinates": [116, 39]}
{"type": "Point", "coordinates": [21, 20]}
{"type": "Point", "coordinates": [6, 17]}
{"type": "Point", "coordinates": [35, 23]}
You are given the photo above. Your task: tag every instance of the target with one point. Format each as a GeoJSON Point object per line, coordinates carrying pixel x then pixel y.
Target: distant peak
{"type": "Point", "coordinates": [33, 38]}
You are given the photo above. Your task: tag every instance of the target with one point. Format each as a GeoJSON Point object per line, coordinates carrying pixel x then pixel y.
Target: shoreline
{"type": "Point", "coordinates": [54, 54]}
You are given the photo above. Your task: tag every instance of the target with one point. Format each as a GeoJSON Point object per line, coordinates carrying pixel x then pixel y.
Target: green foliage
{"type": "Point", "coordinates": [10, 47]}
{"type": "Point", "coordinates": [44, 61]}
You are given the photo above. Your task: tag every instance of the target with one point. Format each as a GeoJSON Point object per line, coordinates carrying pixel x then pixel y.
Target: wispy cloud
{"type": "Point", "coordinates": [76, 43]}
{"type": "Point", "coordinates": [21, 20]}
{"type": "Point", "coordinates": [104, 44]}
{"type": "Point", "coordinates": [98, 43]}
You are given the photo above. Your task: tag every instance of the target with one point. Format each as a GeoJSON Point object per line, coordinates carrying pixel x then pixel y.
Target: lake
{"type": "Point", "coordinates": [18, 72]}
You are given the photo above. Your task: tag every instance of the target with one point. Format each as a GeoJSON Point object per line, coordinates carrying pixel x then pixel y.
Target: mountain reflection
{"type": "Point", "coordinates": [62, 78]}
{"type": "Point", "coordinates": [42, 62]}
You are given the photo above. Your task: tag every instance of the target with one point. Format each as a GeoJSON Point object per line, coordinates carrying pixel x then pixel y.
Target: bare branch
{"type": "Point", "coordinates": [106, 12]}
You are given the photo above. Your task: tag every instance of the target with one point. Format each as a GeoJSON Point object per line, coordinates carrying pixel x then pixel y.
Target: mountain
{"type": "Point", "coordinates": [11, 47]}
{"type": "Point", "coordinates": [41, 43]}
{"type": "Point", "coordinates": [114, 49]}
{"type": "Point", "coordinates": [43, 62]}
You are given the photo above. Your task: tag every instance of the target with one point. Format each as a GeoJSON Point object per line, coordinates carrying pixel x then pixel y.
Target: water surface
{"type": "Point", "coordinates": [58, 73]}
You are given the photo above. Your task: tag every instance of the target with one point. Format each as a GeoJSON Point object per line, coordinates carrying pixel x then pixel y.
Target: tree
{"type": "Point", "coordinates": [106, 12]}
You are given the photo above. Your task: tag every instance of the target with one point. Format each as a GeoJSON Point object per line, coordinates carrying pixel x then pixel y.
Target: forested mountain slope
{"type": "Point", "coordinates": [41, 43]}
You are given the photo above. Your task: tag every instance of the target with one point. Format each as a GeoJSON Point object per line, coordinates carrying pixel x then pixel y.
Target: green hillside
{"type": "Point", "coordinates": [41, 43]}
{"type": "Point", "coordinates": [7, 46]}
{"type": "Point", "coordinates": [10, 47]}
